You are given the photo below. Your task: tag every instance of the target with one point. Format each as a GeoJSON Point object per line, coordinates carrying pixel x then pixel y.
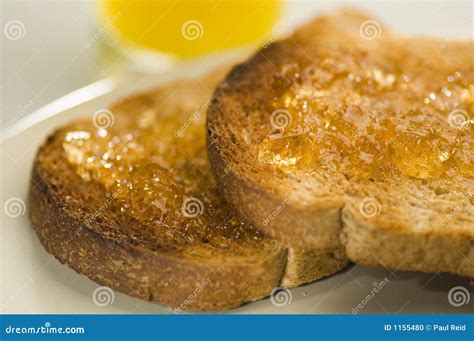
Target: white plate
{"type": "Point", "coordinates": [32, 281]}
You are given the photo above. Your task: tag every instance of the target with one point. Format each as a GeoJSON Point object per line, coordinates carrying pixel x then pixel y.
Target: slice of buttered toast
{"type": "Point", "coordinates": [128, 199]}
{"type": "Point", "coordinates": [362, 140]}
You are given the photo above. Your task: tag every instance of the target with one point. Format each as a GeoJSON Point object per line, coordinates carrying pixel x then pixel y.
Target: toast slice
{"type": "Point", "coordinates": [362, 137]}
{"type": "Point", "coordinates": [133, 205]}
{"type": "Point", "coordinates": [128, 199]}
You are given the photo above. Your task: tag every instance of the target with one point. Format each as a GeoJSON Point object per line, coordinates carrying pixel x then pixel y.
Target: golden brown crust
{"type": "Point", "coordinates": [160, 275]}
{"type": "Point", "coordinates": [305, 266]}
{"type": "Point", "coordinates": [310, 256]}
{"type": "Point", "coordinates": [239, 119]}
{"type": "Point", "coordinates": [81, 224]}
{"type": "Point", "coordinates": [403, 249]}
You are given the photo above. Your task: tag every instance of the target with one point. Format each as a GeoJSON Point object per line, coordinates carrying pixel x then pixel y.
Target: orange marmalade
{"type": "Point", "coordinates": [368, 117]}
{"type": "Point", "coordinates": [157, 171]}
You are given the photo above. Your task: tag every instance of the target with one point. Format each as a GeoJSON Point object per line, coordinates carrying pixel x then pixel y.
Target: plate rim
{"type": "Point", "coordinates": [68, 101]}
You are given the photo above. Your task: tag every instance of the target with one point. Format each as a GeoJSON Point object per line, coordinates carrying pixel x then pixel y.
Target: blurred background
{"type": "Point", "coordinates": [50, 48]}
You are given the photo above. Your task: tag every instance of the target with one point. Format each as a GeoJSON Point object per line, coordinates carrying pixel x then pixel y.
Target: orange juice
{"type": "Point", "coordinates": [190, 28]}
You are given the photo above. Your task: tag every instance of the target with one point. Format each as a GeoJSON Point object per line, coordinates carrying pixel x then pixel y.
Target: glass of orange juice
{"type": "Point", "coordinates": [151, 35]}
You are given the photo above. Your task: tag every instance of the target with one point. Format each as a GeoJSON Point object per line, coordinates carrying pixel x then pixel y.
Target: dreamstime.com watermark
{"type": "Point", "coordinates": [20, 290]}
{"type": "Point", "coordinates": [377, 287]}
{"type": "Point", "coordinates": [276, 35]}
{"type": "Point", "coordinates": [370, 30]}
{"type": "Point", "coordinates": [370, 207]}
{"type": "Point", "coordinates": [46, 329]}
{"type": "Point", "coordinates": [100, 212]}
{"type": "Point", "coordinates": [103, 30]}
{"type": "Point", "coordinates": [103, 119]}
{"type": "Point", "coordinates": [14, 207]}
{"type": "Point", "coordinates": [14, 30]}
{"type": "Point", "coordinates": [192, 119]}
{"type": "Point", "coordinates": [459, 119]}
{"type": "Point", "coordinates": [192, 207]}
{"type": "Point", "coordinates": [192, 296]}
{"type": "Point", "coordinates": [22, 110]}
{"type": "Point", "coordinates": [459, 296]}
{"type": "Point", "coordinates": [277, 211]}
{"type": "Point", "coordinates": [192, 30]}
{"type": "Point", "coordinates": [457, 209]}
{"type": "Point", "coordinates": [281, 297]}
{"type": "Point", "coordinates": [461, 27]}
{"type": "Point", "coordinates": [103, 296]}
{"type": "Point", "coordinates": [280, 119]}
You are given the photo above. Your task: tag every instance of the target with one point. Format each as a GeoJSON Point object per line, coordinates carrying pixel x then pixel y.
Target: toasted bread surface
{"type": "Point", "coordinates": [127, 198]}
{"type": "Point", "coordinates": [361, 137]}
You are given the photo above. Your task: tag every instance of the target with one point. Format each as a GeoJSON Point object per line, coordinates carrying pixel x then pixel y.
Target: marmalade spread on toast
{"type": "Point", "coordinates": [157, 169]}
{"type": "Point", "coordinates": [369, 117]}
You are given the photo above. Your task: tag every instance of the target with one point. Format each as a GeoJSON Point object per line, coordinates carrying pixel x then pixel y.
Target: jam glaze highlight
{"type": "Point", "coordinates": [156, 167]}
{"type": "Point", "coordinates": [364, 114]}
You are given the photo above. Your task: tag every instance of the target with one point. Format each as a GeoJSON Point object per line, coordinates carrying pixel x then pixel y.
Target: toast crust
{"type": "Point", "coordinates": [324, 209]}
{"type": "Point", "coordinates": [79, 222]}
{"type": "Point", "coordinates": [182, 281]}
{"type": "Point", "coordinates": [402, 249]}
{"type": "Point", "coordinates": [309, 259]}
